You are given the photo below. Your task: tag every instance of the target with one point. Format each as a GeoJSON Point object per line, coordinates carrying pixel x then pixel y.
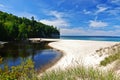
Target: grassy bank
{"type": "Point", "coordinates": [79, 73]}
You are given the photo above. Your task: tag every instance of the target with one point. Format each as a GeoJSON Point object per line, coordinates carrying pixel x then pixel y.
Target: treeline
{"type": "Point", "coordinates": [19, 28]}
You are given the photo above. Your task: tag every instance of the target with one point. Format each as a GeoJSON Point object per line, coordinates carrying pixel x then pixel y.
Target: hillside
{"type": "Point", "coordinates": [19, 28]}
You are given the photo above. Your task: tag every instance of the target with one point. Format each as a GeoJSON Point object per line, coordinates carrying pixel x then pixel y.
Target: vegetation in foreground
{"type": "Point", "coordinates": [110, 59]}
{"type": "Point", "coordinates": [79, 73]}
{"type": "Point", "coordinates": [25, 71]}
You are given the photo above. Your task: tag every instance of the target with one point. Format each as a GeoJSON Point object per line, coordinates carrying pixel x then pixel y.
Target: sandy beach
{"type": "Point", "coordinates": [79, 52]}
{"type": "Point", "coordinates": [1, 43]}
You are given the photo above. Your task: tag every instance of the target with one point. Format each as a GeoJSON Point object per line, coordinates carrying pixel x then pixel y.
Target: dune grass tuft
{"type": "Point", "coordinates": [79, 73]}
{"type": "Point", "coordinates": [110, 59]}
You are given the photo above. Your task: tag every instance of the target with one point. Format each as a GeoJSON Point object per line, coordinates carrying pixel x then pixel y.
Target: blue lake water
{"type": "Point", "coordinates": [96, 38]}
{"type": "Point", "coordinates": [14, 53]}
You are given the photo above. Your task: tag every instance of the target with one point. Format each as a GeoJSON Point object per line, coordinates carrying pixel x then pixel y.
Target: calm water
{"type": "Point", "coordinates": [14, 53]}
{"type": "Point", "coordinates": [98, 38]}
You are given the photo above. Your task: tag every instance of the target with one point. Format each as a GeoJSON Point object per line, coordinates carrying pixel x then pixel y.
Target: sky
{"type": "Point", "coordinates": [71, 17]}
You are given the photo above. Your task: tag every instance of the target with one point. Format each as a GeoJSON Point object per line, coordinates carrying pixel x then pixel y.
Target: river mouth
{"type": "Point", "coordinates": [14, 53]}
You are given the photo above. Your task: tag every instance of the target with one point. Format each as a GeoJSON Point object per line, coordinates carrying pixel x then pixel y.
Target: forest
{"type": "Point", "coordinates": [20, 28]}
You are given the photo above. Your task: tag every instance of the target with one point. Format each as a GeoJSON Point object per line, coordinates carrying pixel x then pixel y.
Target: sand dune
{"type": "Point", "coordinates": [77, 52]}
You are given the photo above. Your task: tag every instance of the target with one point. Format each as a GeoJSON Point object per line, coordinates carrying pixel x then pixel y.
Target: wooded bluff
{"type": "Point", "coordinates": [20, 28]}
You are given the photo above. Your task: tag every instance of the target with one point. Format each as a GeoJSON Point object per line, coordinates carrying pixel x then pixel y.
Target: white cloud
{"type": "Point", "coordinates": [1, 5]}
{"type": "Point", "coordinates": [117, 26]}
{"type": "Point", "coordinates": [86, 12]}
{"type": "Point", "coordinates": [97, 24]}
{"type": "Point", "coordinates": [73, 31]}
{"type": "Point", "coordinates": [25, 14]}
{"type": "Point", "coordinates": [100, 9]}
{"type": "Point", "coordinates": [89, 32]}
{"type": "Point", "coordinates": [117, 2]}
{"type": "Point", "coordinates": [56, 14]}
{"type": "Point", "coordinates": [115, 11]}
{"type": "Point", "coordinates": [59, 21]}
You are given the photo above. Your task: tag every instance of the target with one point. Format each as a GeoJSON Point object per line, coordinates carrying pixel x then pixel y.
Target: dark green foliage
{"type": "Point", "coordinates": [19, 28]}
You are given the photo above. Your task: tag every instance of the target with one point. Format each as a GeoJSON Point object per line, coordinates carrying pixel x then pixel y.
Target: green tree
{"type": "Point", "coordinates": [2, 32]}
{"type": "Point", "coordinates": [18, 28]}
{"type": "Point", "coordinates": [11, 28]}
{"type": "Point", "coordinates": [22, 31]}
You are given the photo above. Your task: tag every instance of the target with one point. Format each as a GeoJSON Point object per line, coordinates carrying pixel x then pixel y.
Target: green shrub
{"type": "Point", "coordinates": [24, 71]}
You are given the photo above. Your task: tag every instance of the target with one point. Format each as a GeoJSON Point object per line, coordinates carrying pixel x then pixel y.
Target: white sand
{"type": "Point", "coordinates": [1, 43]}
{"type": "Point", "coordinates": [42, 39]}
{"type": "Point", "coordinates": [79, 52]}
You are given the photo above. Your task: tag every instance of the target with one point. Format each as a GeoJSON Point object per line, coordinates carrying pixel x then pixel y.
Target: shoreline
{"type": "Point", "coordinates": [75, 53]}
{"type": "Point", "coordinates": [1, 43]}
{"type": "Point", "coordinates": [51, 63]}
{"type": "Point", "coordinates": [79, 52]}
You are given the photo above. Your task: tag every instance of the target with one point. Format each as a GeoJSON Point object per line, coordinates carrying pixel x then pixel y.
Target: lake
{"type": "Point", "coordinates": [14, 53]}
{"type": "Point", "coordinates": [96, 38]}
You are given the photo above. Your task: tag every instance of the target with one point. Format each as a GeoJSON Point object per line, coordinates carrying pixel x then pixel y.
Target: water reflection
{"type": "Point", "coordinates": [14, 53]}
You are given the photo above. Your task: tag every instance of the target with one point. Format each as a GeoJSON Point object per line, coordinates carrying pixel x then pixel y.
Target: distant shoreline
{"type": "Point", "coordinates": [93, 38]}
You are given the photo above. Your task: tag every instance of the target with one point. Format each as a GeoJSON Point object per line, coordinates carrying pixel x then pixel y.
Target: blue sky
{"type": "Point", "coordinates": [72, 17]}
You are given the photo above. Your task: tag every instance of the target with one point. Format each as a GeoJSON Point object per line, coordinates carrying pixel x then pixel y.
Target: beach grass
{"type": "Point", "coordinates": [79, 73]}
{"type": "Point", "coordinates": [110, 59]}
